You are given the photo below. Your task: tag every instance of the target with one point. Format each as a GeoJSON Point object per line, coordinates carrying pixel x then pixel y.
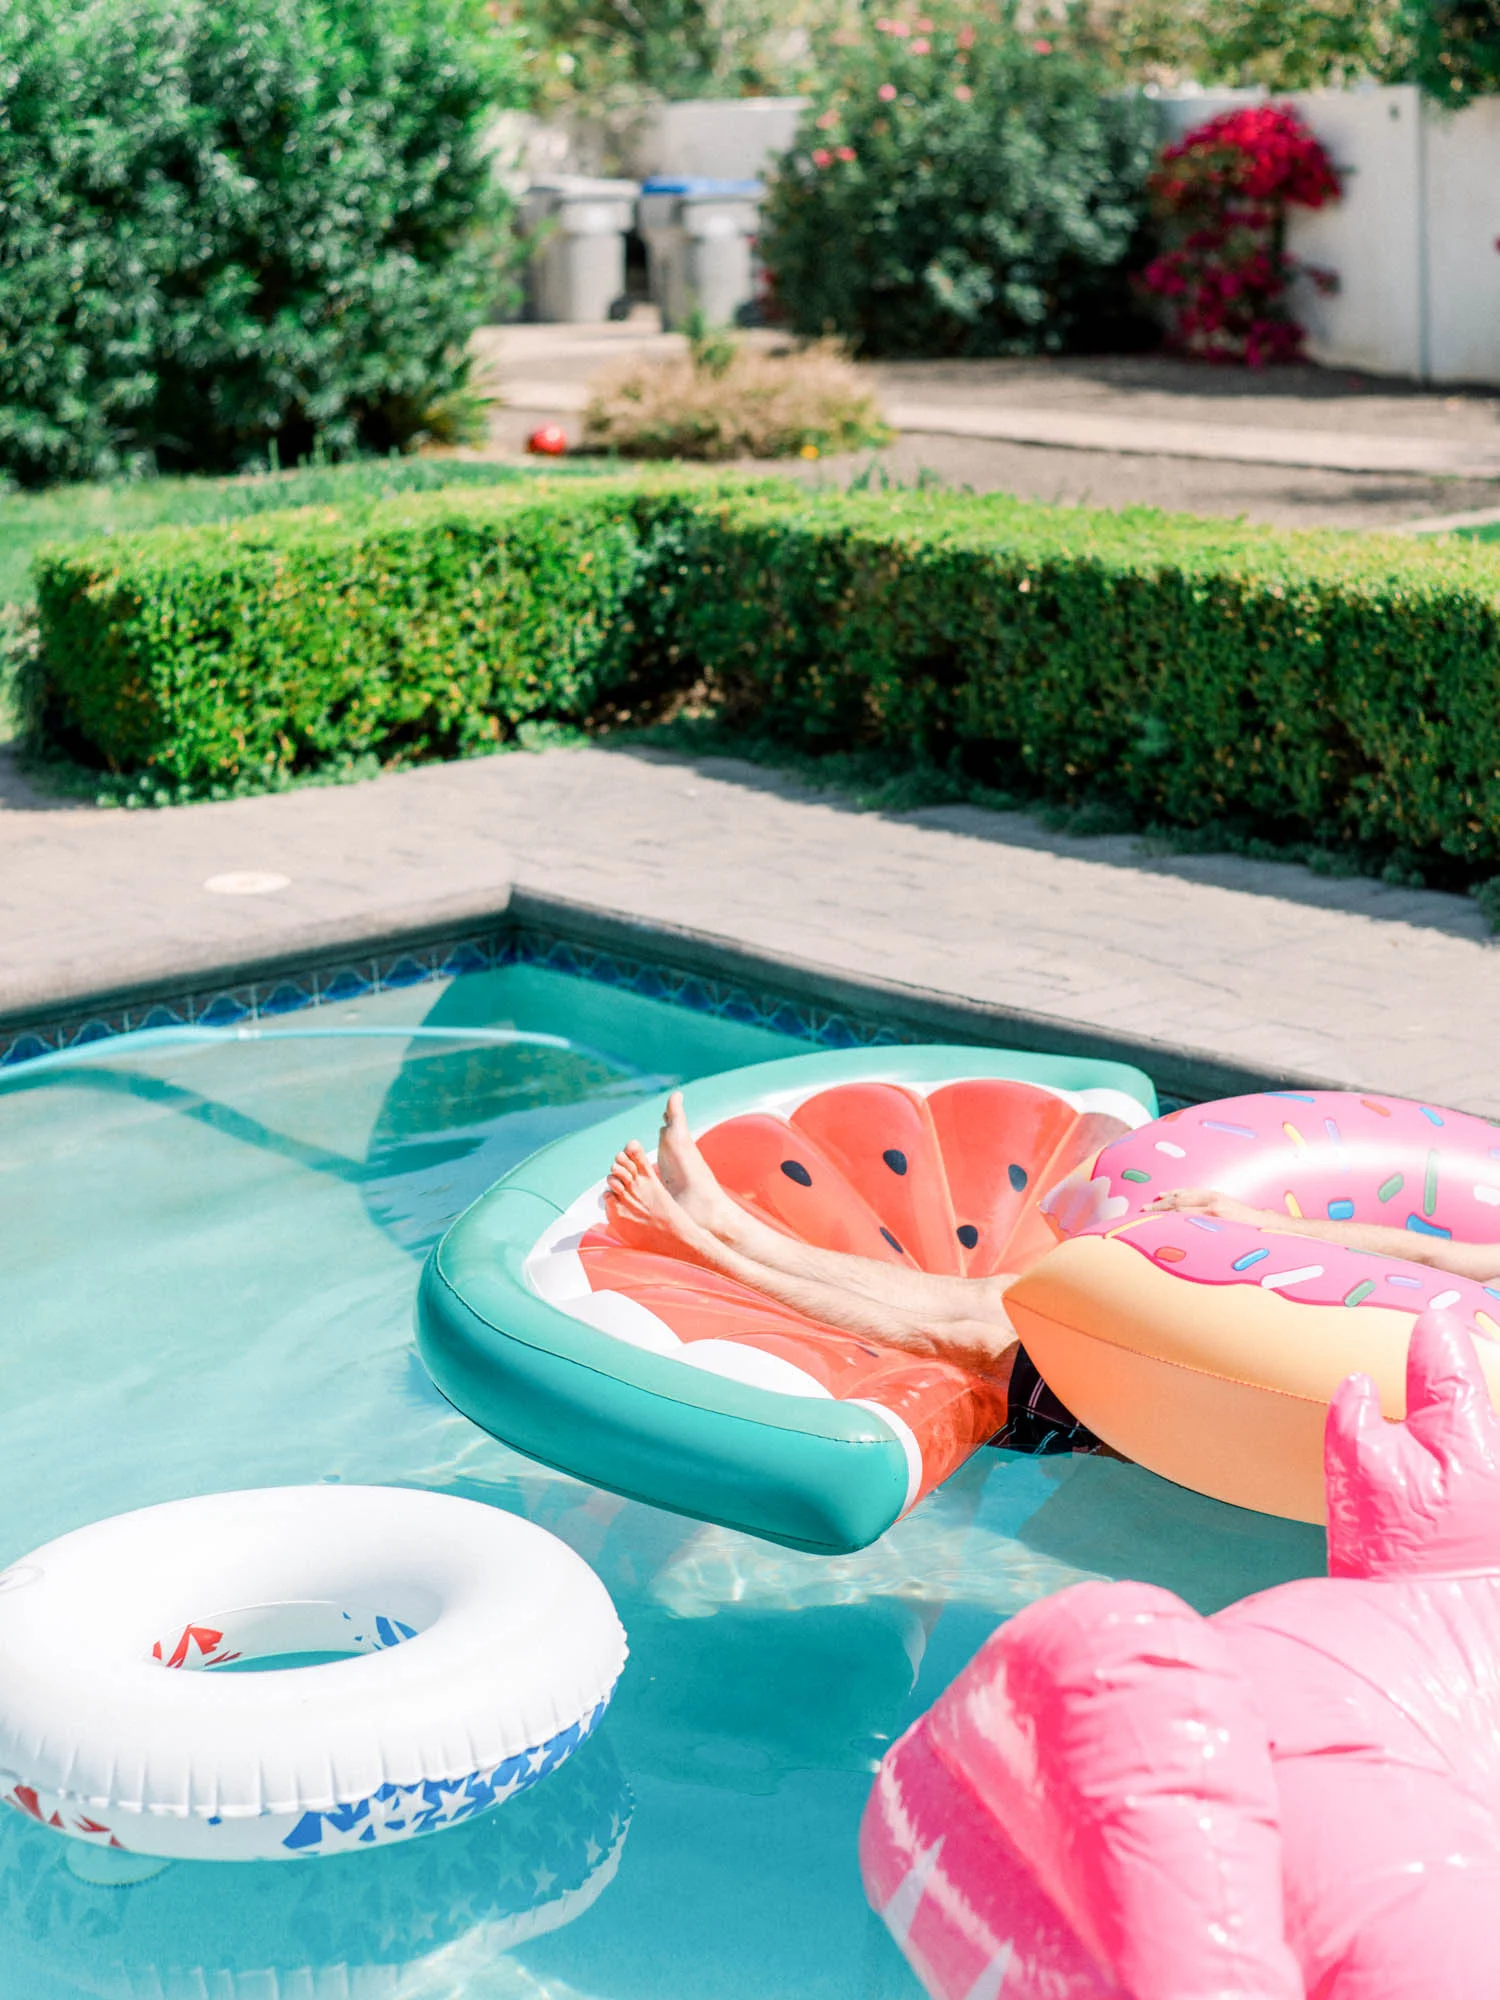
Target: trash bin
{"type": "Point", "coordinates": [577, 270]}
{"type": "Point", "coordinates": [698, 236]}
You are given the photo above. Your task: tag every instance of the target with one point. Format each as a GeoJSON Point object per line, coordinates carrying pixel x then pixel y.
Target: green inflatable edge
{"type": "Point", "coordinates": [809, 1473]}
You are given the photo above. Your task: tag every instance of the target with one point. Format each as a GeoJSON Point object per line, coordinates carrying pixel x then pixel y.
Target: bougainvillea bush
{"type": "Point", "coordinates": [1221, 195]}
{"type": "Point", "coordinates": [959, 187]}
{"type": "Point", "coordinates": [233, 225]}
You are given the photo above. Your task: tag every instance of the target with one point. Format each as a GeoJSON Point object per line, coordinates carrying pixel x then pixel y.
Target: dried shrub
{"type": "Point", "coordinates": [724, 399]}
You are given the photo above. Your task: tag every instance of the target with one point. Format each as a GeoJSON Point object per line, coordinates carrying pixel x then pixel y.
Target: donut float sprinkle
{"type": "Point", "coordinates": [1207, 1348]}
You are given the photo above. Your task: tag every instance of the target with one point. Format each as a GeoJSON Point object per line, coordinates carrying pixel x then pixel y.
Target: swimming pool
{"type": "Point", "coordinates": [209, 1252]}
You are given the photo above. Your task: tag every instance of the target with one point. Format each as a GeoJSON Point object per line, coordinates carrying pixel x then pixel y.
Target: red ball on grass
{"type": "Point", "coordinates": [548, 441]}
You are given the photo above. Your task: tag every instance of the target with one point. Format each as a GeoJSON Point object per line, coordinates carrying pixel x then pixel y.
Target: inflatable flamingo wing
{"type": "Point", "coordinates": [1297, 1797]}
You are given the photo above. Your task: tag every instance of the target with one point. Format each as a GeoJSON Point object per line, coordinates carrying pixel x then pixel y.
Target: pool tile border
{"type": "Point", "coordinates": [285, 993]}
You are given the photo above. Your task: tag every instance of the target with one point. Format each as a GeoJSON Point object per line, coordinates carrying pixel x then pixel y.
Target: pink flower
{"type": "Point", "coordinates": [827, 120]}
{"type": "Point", "coordinates": [924, 26]}
{"type": "Point", "coordinates": [1042, 48]}
{"type": "Point", "coordinates": [847, 153]}
{"type": "Point", "coordinates": [921, 46]}
{"type": "Point", "coordinates": [962, 92]}
{"type": "Point", "coordinates": [897, 28]}
{"type": "Point", "coordinates": [822, 157]}
{"type": "Point", "coordinates": [966, 37]}
{"type": "Point", "coordinates": [886, 93]}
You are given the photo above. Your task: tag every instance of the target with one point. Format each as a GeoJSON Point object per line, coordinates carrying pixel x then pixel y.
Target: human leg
{"type": "Point", "coordinates": [646, 1214]}
{"type": "Point", "coordinates": [1479, 1261]}
{"type": "Point", "coordinates": [932, 1296]}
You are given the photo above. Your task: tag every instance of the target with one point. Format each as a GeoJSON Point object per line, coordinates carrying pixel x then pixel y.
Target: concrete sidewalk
{"type": "Point", "coordinates": [1020, 416]}
{"type": "Point", "coordinates": [1256, 966]}
{"type": "Point", "coordinates": [1294, 445]}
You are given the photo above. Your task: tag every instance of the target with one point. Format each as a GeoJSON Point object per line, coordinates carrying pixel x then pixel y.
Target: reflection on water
{"type": "Point", "coordinates": [363, 1926]}
{"type": "Point", "coordinates": [210, 1261]}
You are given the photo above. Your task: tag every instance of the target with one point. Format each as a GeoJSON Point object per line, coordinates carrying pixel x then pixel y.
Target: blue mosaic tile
{"type": "Point", "coordinates": [286, 998]}
{"type": "Point", "coordinates": [161, 1016]}
{"type": "Point", "coordinates": [465, 958]}
{"type": "Point", "coordinates": [223, 1011]}
{"type": "Point", "coordinates": [450, 959]}
{"type": "Point", "coordinates": [25, 1048]}
{"type": "Point", "coordinates": [836, 1033]}
{"type": "Point", "coordinates": [787, 1021]}
{"type": "Point", "coordinates": [92, 1031]}
{"type": "Point", "coordinates": [345, 984]}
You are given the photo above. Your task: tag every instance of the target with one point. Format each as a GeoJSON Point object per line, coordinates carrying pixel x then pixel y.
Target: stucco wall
{"type": "Point", "coordinates": [1413, 239]}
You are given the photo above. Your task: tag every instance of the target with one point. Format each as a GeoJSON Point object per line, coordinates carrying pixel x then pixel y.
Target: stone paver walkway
{"type": "Point", "coordinates": [1248, 963]}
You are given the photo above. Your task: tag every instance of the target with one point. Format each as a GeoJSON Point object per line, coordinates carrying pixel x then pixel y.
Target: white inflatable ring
{"type": "Point", "coordinates": [492, 1651]}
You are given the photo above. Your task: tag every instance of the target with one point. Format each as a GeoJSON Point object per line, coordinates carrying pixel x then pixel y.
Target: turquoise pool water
{"type": "Point", "coordinates": [209, 1254]}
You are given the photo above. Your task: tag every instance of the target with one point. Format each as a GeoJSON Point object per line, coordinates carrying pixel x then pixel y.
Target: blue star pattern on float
{"type": "Point", "coordinates": [397, 1812]}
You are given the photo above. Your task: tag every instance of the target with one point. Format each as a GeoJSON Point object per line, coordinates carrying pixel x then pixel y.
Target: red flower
{"type": "Point", "coordinates": [1222, 192]}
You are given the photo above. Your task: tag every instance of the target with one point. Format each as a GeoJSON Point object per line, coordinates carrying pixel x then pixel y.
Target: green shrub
{"type": "Point", "coordinates": [960, 190]}
{"type": "Point", "coordinates": [1279, 44]}
{"type": "Point", "coordinates": [1337, 688]}
{"type": "Point", "coordinates": [1457, 48]}
{"type": "Point", "coordinates": [726, 399]}
{"type": "Point", "coordinates": [231, 223]}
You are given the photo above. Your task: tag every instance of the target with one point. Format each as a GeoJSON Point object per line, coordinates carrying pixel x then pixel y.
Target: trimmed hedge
{"type": "Point", "coordinates": [1339, 687]}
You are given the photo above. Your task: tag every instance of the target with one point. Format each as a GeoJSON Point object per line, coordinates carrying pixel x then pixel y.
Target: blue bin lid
{"type": "Point", "coordinates": [697, 184]}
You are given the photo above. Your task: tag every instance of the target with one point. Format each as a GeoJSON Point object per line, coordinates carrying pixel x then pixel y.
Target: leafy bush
{"type": "Point", "coordinates": [428, 627]}
{"type": "Point", "coordinates": [1337, 688]}
{"type": "Point", "coordinates": [726, 399]}
{"type": "Point", "coordinates": [959, 189]}
{"type": "Point", "coordinates": [231, 223]}
{"type": "Point", "coordinates": [1457, 48]}
{"type": "Point", "coordinates": [592, 51]}
{"type": "Point", "coordinates": [1221, 194]}
{"type": "Point", "coordinates": [1279, 44]}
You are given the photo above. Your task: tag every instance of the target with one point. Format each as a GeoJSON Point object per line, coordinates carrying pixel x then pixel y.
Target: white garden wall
{"type": "Point", "coordinates": [1413, 239]}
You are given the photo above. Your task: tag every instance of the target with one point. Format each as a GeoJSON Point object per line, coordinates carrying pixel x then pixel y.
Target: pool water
{"type": "Point", "coordinates": [209, 1255]}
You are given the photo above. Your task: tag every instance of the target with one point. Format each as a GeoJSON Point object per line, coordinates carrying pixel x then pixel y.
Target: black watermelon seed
{"type": "Point", "coordinates": [895, 1160]}
{"type": "Point", "coordinates": [968, 1235]}
{"type": "Point", "coordinates": [795, 1171]}
{"type": "Point", "coordinates": [892, 1241]}
{"type": "Point", "coordinates": [1018, 1177]}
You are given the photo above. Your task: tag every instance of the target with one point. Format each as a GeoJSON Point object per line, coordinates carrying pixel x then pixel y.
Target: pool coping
{"type": "Point", "coordinates": [705, 970]}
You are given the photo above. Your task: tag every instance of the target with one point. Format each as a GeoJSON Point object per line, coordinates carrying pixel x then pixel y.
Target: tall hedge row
{"type": "Point", "coordinates": [1340, 687]}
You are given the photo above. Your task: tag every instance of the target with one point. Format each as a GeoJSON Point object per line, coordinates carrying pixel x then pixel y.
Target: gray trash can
{"type": "Point", "coordinates": [699, 236]}
{"type": "Point", "coordinates": [577, 271]}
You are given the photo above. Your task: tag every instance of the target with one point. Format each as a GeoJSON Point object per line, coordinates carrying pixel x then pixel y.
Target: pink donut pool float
{"type": "Point", "coordinates": [1210, 1350]}
{"type": "Point", "coordinates": [1296, 1799]}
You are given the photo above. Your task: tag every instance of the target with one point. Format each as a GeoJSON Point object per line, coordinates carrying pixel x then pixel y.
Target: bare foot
{"type": "Point", "coordinates": [641, 1211]}
{"type": "Point", "coordinates": [687, 1176]}
{"type": "Point", "coordinates": [1209, 1201]}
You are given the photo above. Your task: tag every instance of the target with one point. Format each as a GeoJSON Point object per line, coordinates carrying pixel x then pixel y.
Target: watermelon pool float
{"type": "Point", "coordinates": [663, 1381]}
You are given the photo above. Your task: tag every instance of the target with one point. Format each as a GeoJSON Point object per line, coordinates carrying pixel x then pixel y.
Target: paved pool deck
{"type": "Point", "coordinates": [1217, 973]}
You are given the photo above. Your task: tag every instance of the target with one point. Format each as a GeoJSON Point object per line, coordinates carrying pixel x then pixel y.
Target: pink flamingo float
{"type": "Point", "coordinates": [1295, 1799]}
